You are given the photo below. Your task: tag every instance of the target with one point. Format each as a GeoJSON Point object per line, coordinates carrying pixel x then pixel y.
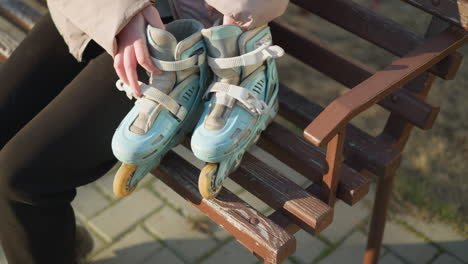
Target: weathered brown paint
{"type": "Point", "coordinates": [349, 73]}
{"type": "Point", "coordinates": [382, 83]}
{"type": "Point", "coordinates": [261, 236]}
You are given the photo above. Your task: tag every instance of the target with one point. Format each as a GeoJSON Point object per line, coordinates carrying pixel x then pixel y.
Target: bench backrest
{"type": "Point", "coordinates": [400, 88]}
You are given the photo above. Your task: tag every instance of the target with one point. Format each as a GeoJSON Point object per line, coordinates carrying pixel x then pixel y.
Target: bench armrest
{"type": "Point", "coordinates": [337, 115]}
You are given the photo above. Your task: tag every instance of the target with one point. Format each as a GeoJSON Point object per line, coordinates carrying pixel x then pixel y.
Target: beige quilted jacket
{"type": "Point", "coordinates": [101, 20]}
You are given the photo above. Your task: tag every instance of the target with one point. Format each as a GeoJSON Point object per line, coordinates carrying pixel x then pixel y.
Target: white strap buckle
{"type": "Point", "coordinates": [156, 96]}
{"type": "Point", "coordinates": [180, 65]}
{"type": "Point", "coordinates": [244, 96]}
{"type": "Point", "coordinates": [259, 55]}
{"type": "Point", "coordinates": [121, 86]}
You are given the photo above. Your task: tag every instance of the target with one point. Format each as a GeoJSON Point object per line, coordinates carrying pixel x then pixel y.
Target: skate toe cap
{"type": "Point", "coordinates": [133, 148]}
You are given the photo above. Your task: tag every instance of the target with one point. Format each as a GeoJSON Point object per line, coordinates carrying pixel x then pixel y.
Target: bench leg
{"type": "Point", "coordinates": [379, 216]}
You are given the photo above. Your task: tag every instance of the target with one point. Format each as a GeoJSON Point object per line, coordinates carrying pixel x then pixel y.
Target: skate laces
{"type": "Point", "coordinates": [241, 94]}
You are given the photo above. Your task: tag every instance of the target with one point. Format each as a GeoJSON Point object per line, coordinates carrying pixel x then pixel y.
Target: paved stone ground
{"type": "Point", "coordinates": [156, 225]}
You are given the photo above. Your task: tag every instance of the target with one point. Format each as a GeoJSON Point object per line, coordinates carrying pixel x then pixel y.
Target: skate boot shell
{"type": "Point", "coordinates": [170, 104]}
{"type": "Point", "coordinates": [239, 103]}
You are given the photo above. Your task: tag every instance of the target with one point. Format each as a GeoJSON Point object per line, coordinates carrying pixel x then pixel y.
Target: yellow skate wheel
{"type": "Point", "coordinates": [206, 181]}
{"type": "Point", "coordinates": [122, 180]}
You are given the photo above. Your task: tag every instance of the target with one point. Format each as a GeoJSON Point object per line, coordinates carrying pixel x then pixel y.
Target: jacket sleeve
{"type": "Point", "coordinates": [251, 13]}
{"type": "Point", "coordinates": [100, 20]}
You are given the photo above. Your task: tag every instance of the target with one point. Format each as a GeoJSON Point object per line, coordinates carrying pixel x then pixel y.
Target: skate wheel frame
{"type": "Point", "coordinates": [122, 180]}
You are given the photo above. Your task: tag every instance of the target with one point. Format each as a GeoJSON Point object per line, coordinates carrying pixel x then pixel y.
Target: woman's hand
{"type": "Point", "coordinates": [133, 50]}
{"type": "Point", "coordinates": [227, 20]}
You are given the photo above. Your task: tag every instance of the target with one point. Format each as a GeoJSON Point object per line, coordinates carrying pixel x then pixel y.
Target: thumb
{"type": "Point", "coordinates": [152, 17]}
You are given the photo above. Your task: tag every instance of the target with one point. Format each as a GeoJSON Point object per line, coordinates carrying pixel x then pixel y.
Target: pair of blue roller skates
{"type": "Point", "coordinates": [221, 81]}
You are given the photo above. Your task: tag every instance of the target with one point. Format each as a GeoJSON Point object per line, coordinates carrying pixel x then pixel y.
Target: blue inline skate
{"type": "Point", "coordinates": [170, 104]}
{"type": "Point", "coordinates": [240, 103]}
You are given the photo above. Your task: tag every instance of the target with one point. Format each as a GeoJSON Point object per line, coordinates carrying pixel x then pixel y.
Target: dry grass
{"type": "Point", "coordinates": [433, 176]}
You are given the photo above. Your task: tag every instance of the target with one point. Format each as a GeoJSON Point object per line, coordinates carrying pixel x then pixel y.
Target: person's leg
{"type": "Point", "coordinates": [34, 74]}
{"type": "Point", "coordinates": [66, 145]}
{"type": "Point", "coordinates": [42, 163]}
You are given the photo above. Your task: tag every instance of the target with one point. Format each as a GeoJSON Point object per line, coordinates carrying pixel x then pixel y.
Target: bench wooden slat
{"type": "Point", "coordinates": [381, 84]}
{"type": "Point", "coordinates": [10, 37]}
{"type": "Point", "coordinates": [310, 161]}
{"type": "Point", "coordinates": [452, 11]}
{"type": "Point", "coordinates": [254, 230]}
{"type": "Point", "coordinates": [360, 146]}
{"type": "Point", "coordinates": [376, 29]}
{"type": "Point", "coordinates": [351, 74]}
{"type": "Point", "coordinates": [285, 222]}
{"type": "Point", "coordinates": [19, 13]}
{"type": "Point", "coordinates": [280, 193]}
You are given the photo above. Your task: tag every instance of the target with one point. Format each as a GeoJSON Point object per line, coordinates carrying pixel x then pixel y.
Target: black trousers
{"type": "Point", "coordinates": [57, 118]}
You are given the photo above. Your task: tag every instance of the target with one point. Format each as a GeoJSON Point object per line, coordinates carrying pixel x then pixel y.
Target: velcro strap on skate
{"type": "Point", "coordinates": [243, 95]}
{"type": "Point", "coordinates": [180, 65]}
{"type": "Point", "coordinates": [156, 96]}
{"type": "Point", "coordinates": [259, 55]}
{"type": "Point", "coordinates": [165, 100]}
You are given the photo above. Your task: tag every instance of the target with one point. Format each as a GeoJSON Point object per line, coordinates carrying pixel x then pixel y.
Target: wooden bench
{"type": "Point", "coordinates": [335, 155]}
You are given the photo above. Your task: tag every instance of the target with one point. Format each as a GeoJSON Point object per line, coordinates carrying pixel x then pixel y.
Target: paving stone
{"type": "Point", "coordinates": [407, 245]}
{"type": "Point", "coordinates": [232, 253]}
{"type": "Point", "coordinates": [2, 257]}
{"type": "Point", "coordinates": [389, 258]}
{"type": "Point", "coordinates": [170, 196]}
{"type": "Point", "coordinates": [441, 234]}
{"type": "Point", "coordinates": [88, 202]}
{"type": "Point", "coordinates": [178, 233]}
{"type": "Point", "coordinates": [345, 219]}
{"type": "Point", "coordinates": [187, 154]}
{"type": "Point", "coordinates": [106, 182]}
{"type": "Point", "coordinates": [164, 256]}
{"type": "Point", "coordinates": [221, 233]}
{"type": "Point", "coordinates": [134, 247]}
{"type": "Point", "coordinates": [368, 200]}
{"type": "Point", "coordinates": [125, 213]}
{"type": "Point", "coordinates": [167, 194]}
{"type": "Point", "coordinates": [232, 186]}
{"type": "Point", "coordinates": [446, 259]}
{"type": "Point", "coordinates": [279, 166]}
{"type": "Point", "coordinates": [308, 247]}
{"type": "Point", "coordinates": [254, 202]}
{"type": "Point", "coordinates": [350, 251]}
{"type": "Point", "coordinates": [188, 210]}
{"type": "Point", "coordinates": [98, 244]}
